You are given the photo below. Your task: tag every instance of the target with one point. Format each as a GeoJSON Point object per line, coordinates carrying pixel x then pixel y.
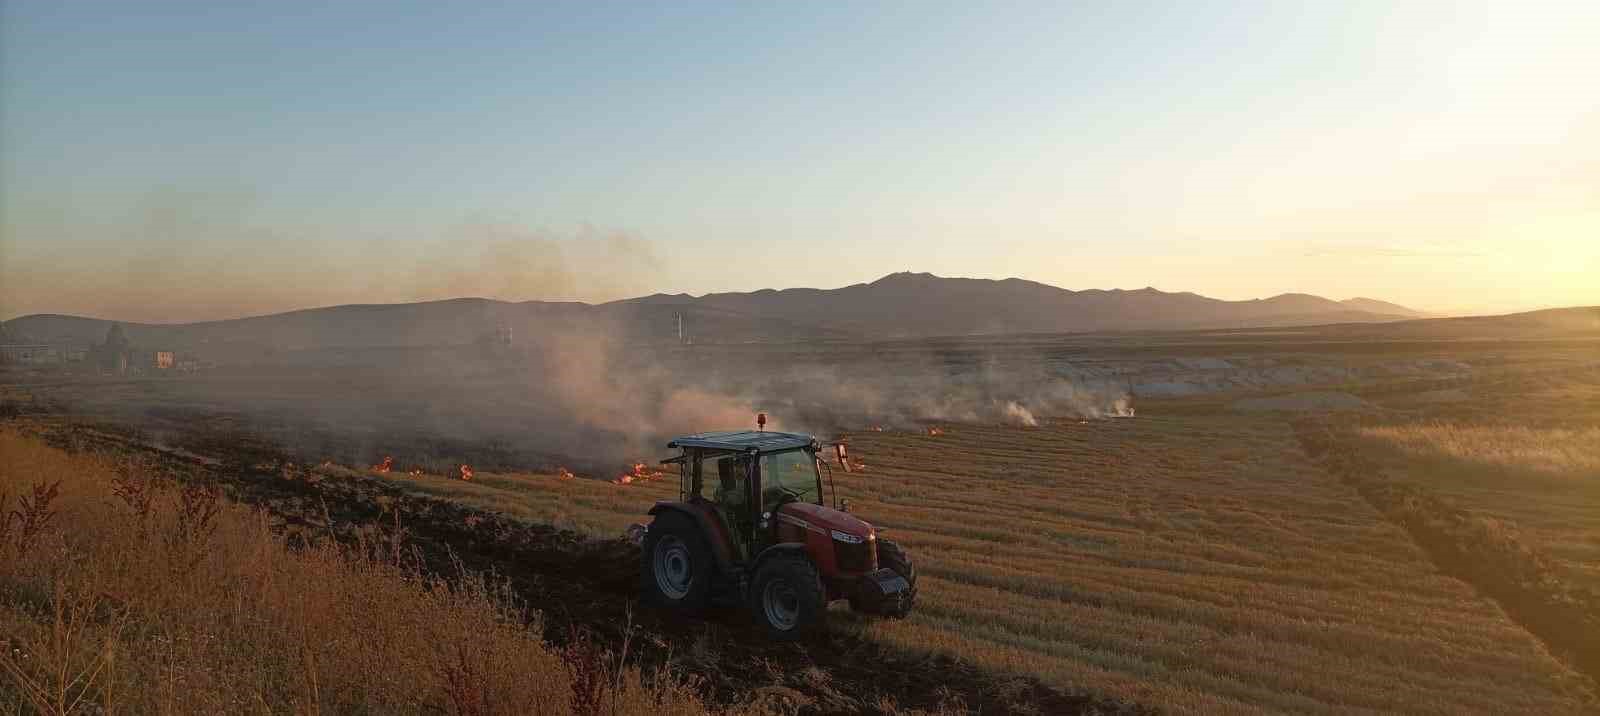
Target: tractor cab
{"type": "Point", "coordinates": [751, 523]}
{"type": "Point", "coordinates": [746, 479]}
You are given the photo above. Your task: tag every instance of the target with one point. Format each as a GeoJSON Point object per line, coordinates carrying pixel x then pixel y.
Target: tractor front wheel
{"type": "Point", "coordinates": [675, 564]}
{"type": "Point", "coordinates": [895, 606]}
{"type": "Point", "coordinates": [786, 597]}
{"type": "Point", "coordinates": [890, 556]}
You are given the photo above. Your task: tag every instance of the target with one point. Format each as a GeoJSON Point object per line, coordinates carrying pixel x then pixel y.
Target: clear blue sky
{"type": "Point", "coordinates": [174, 161]}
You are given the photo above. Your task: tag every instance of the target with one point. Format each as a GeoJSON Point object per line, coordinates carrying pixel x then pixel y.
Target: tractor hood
{"type": "Point", "coordinates": [825, 519]}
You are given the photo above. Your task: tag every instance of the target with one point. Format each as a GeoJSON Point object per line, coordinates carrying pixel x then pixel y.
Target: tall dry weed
{"type": "Point", "coordinates": [140, 596]}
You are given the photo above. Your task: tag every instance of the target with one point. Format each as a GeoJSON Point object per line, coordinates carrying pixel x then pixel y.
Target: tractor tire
{"type": "Point", "coordinates": [890, 556]}
{"type": "Point", "coordinates": [675, 564]}
{"type": "Point", "coordinates": [786, 597]}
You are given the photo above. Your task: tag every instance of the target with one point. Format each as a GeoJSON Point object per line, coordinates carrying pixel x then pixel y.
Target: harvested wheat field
{"type": "Point", "coordinates": [1202, 564]}
{"type": "Point", "coordinates": [1524, 453]}
{"type": "Point", "coordinates": [1198, 563]}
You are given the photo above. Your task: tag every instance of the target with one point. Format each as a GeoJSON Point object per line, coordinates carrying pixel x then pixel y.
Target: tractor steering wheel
{"type": "Point", "coordinates": [793, 495]}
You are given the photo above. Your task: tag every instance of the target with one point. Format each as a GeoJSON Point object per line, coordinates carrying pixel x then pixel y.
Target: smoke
{"type": "Point", "coordinates": [574, 389]}
{"type": "Point", "coordinates": [584, 397]}
{"type": "Point", "coordinates": [907, 390]}
{"type": "Point", "coordinates": [911, 393]}
{"type": "Point", "coordinates": [511, 262]}
{"type": "Point", "coordinates": [186, 254]}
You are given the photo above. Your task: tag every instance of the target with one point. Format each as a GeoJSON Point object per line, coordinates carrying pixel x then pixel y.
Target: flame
{"type": "Point", "coordinates": [639, 473]}
{"type": "Point", "coordinates": [935, 431]}
{"type": "Point", "coordinates": [564, 473]}
{"type": "Point", "coordinates": [877, 428]}
{"type": "Point", "coordinates": [466, 472]}
{"type": "Point", "coordinates": [415, 473]}
{"type": "Point", "coordinates": [382, 468]}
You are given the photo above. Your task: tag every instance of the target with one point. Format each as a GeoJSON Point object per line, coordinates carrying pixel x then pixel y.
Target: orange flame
{"type": "Point", "coordinates": [935, 431]}
{"type": "Point", "coordinates": [877, 428]}
{"type": "Point", "coordinates": [640, 472]}
{"type": "Point", "coordinates": [383, 467]}
{"type": "Point", "coordinates": [466, 472]}
{"type": "Point", "coordinates": [564, 473]}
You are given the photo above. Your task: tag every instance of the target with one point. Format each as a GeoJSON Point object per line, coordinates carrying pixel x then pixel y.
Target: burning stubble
{"type": "Point", "coordinates": [640, 398]}
{"type": "Point", "coordinates": [581, 395]}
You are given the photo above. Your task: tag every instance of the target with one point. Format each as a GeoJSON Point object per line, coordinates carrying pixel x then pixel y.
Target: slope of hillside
{"type": "Point", "coordinates": [1548, 323]}
{"type": "Point", "coordinates": [1372, 305]}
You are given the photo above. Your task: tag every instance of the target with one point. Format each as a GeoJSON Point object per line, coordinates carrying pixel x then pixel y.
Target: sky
{"type": "Point", "coordinates": [191, 161]}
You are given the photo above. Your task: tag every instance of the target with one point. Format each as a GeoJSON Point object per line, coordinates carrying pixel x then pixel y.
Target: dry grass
{"type": "Point", "coordinates": [1198, 563]}
{"type": "Point", "coordinates": [136, 596]}
{"type": "Point", "coordinates": [1526, 454]}
{"type": "Point", "coordinates": [1565, 452]}
{"type": "Point", "coordinates": [1490, 554]}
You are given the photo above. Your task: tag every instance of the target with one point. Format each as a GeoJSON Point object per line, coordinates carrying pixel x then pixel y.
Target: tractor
{"type": "Point", "coordinates": [750, 527]}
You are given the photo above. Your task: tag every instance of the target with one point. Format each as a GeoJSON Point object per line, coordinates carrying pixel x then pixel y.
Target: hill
{"type": "Point", "coordinates": [921, 304]}
{"type": "Point", "coordinates": [1578, 321]}
{"type": "Point", "coordinates": [901, 305]}
{"type": "Point", "coordinates": [1372, 305]}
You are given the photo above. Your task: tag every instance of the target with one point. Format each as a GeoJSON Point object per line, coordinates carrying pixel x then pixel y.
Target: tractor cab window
{"type": "Point", "coordinates": [789, 477]}
{"type": "Point", "coordinates": [724, 480]}
{"type": "Point", "coordinates": [728, 481]}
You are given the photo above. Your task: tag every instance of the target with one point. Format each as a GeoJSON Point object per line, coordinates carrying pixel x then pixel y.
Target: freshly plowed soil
{"type": "Point", "coordinates": [583, 586]}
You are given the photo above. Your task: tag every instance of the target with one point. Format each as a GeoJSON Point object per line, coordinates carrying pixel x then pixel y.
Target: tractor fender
{"type": "Point", "coordinates": [782, 548]}
{"type": "Point", "coordinates": [710, 526]}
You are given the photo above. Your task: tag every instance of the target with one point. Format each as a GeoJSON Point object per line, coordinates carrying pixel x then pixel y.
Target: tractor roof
{"type": "Point", "coordinates": [741, 440]}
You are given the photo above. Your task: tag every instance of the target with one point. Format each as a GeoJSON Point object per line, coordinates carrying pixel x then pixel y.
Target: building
{"type": "Point", "coordinates": [29, 354]}
{"type": "Point", "coordinates": [163, 360]}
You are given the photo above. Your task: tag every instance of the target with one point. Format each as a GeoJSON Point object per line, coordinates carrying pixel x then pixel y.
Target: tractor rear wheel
{"type": "Point", "coordinates": [675, 564]}
{"type": "Point", "coordinates": [786, 597]}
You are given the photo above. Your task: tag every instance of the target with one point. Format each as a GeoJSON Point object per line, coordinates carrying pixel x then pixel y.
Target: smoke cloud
{"type": "Point", "coordinates": [583, 397]}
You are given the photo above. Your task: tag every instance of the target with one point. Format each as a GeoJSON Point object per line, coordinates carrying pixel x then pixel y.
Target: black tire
{"type": "Point", "coordinates": [890, 556]}
{"type": "Point", "coordinates": [786, 597]}
{"type": "Point", "coordinates": [684, 559]}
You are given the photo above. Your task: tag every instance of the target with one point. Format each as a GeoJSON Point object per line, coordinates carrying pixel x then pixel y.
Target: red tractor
{"type": "Point", "coordinates": [750, 526]}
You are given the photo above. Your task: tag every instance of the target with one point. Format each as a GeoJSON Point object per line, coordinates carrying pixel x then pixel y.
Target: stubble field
{"type": "Point", "coordinates": [1200, 558]}
{"type": "Point", "coordinates": [1199, 563]}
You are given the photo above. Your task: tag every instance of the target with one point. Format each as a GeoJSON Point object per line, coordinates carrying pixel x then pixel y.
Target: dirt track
{"type": "Point", "coordinates": [591, 586]}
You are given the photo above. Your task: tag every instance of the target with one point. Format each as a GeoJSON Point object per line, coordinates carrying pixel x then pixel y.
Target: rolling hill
{"type": "Point", "coordinates": [921, 304]}
{"type": "Point", "coordinates": [901, 305]}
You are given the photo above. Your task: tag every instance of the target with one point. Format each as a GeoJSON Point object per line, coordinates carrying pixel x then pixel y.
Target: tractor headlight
{"type": "Point", "coordinates": [846, 537]}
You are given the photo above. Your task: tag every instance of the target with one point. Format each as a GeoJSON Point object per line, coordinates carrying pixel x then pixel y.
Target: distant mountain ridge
{"type": "Point", "coordinates": [900, 305]}
{"type": "Point", "coordinates": [921, 304]}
